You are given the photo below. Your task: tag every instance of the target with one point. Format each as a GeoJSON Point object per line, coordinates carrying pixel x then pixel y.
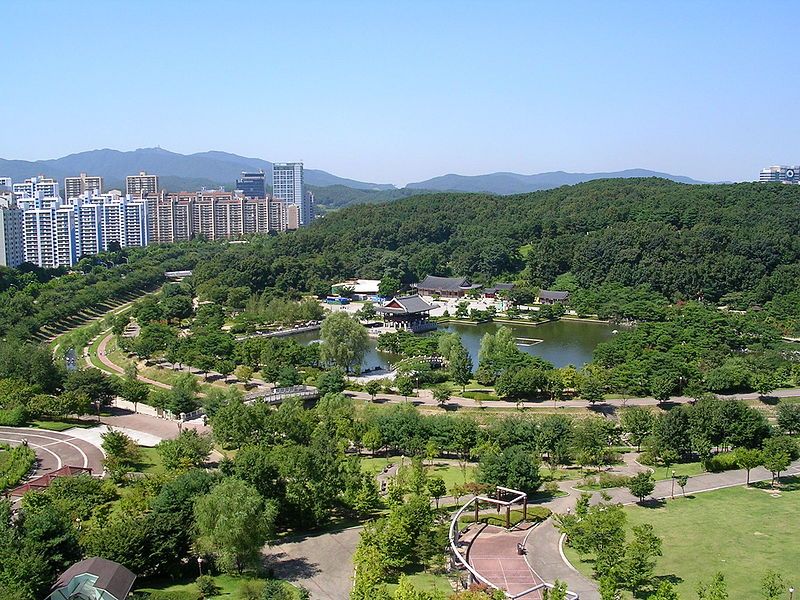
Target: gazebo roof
{"type": "Point", "coordinates": [112, 577]}
{"type": "Point", "coordinates": [405, 305]}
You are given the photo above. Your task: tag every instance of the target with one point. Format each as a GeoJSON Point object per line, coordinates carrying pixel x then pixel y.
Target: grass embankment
{"type": "Point", "coordinates": [230, 587]}
{"type": "Point", "coordinates": [739, 531]}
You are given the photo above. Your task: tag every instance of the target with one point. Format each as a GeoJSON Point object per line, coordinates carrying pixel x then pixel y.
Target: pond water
{"type": "Point", "coordinates": [563, 342]}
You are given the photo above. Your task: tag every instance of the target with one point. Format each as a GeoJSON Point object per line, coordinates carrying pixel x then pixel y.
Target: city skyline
{"type": "Point", "coordinates": [400, 94]}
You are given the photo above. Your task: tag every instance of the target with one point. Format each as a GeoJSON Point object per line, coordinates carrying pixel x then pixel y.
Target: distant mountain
{"type": "Point", "coordinates": [514, 183]}
{"type": "Point", "coordinates": [212, 168]}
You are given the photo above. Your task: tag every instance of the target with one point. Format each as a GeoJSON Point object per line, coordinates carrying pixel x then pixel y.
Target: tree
{"type": "Point", "coordinates": [641, 485]}
{"type": "Point", "coordinates": [640, 554]}
{"type": "Point", "coordinates": [372, 387]}
{"type": "Point", "coordinates": [98, 386]}
{"type": "Point", "coordinates": [436, 488]}
{"type": "Point", "coordinates": [344, 341]}
{"type": "Point", "coordinates": [405, 386]}
{"type": "Point", "coordinates": [775, 458]}
{"type": "Point", "coordinates": [134, 392]}
{"type": "Point", "coordinates": [515, 467]}
{"type": "Point", "coordinates": [207, 587]}
{"type": "Point", "coordinates": [590, 389]}
{"type": "Point", "coordinates": [682, 480]}
{"type": "Point", "coordinates": [789, 417]}
{"type": "Point", "coordinates": [557, 592]}
{"type": "Point", "coordinates": [122, 453]}
{"type": "Point", "coordinates": [388, 286]}
{"type": "Point", "coordinates": [460, 365]}
{"type": "Point", "coordinates": [747, 459]}
{"type": "Point", "coordinates": [638, 422]}
{"type": "Point", "coordinates": [372, 439]}
{"type": "Point", "coordinates": [188, 450]}
{"type": "Point", "coordinates": [665, 591]}
{"type": "Point", "coordinates": [233, 523]}
{"type": "Point", "coordinates": [441, 395]}
{"type": "Point", "coordinates": [331, 382]}
{"type": "Point", "coordinates": [773, 586]}
{"type": "Point", "coordinates": [244, 373]}
{"type": "Point", "coordinates": [716, 590]}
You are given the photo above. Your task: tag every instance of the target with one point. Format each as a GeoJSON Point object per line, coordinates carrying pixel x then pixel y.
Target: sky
{"type": "Point", "coordinates": [395, 92]}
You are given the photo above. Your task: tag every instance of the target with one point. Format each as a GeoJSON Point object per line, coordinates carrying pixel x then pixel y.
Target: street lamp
{"type": "Point", "coordinates": [200, 564]}
{"type": "Point", "coordinates": [673, 485]}
{"type": "Point", "coordinates": [791, 593]}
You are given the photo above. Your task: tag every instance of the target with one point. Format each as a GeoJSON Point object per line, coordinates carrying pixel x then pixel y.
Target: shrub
{"type": "Point", "coordinates": [483, 396]}
{"type": "Point", "coordinates": [176, 595]}
{"type": "Point", "coordinates": [14, 465]}
{"type": "Point", "coordinates": [14, 417]}
{"type": "Point", "coordinates": [647, 458]}
{"type": "Point", "coordinates": [606, 480]}
{"type": "Point", "coordinates": [725, 461]}
{"type": "Point", "coordinates": [207, 587]}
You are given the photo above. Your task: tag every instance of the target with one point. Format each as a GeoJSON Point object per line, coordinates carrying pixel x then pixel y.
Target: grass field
{"type": "Point", "coordinates": [228, 584]}
{"type": "Point", "coordinates": [739, 531]}
{"type": "Point", "coordinates": [450, 472]}
{"type": "Point", "coordinates": [150, 462]}
{"type": "Point", "coordinates": [426, 582]}
{"type": "Point", "coordinates": [63, 425]}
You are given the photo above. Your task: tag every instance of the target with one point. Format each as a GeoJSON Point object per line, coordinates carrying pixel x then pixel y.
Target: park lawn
{"type": "Point", "coordinates": [738, 531]}
{"type": "Point", "coordinates": [451, 473]}
{"type": "Point", "coordinates": [63, 425]}
{"type": "Point", "coordinates": [228, 584]}
{"type": "Point", "coordinates": [426, 582]}
{"type": "Point", "coordinates": [150, 461]}
{"type": "Point", "coordinates": [690, 468]}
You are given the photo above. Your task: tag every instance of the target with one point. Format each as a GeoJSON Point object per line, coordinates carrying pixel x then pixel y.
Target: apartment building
{"type": "Point", "coordinates": [47, 186]}
{"type": "Point", "coordinates": [138, 185]}
{"type": "Point", "coordinates": [11, 249]}
{"type": "Point", "coordinates": [780, 174]}
{"type": "Point", "coordinates": [76, 186]}
{"type": "Point", "coordinates": [49, 236]}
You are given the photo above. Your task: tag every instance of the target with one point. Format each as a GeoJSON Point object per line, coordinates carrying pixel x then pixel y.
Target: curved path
{"type": "Point", "coordinates": [493, 553]}
{"type": "Point", "coordinates": [55, 450]}
{"type": "Point", "coordinates": [544, 543]}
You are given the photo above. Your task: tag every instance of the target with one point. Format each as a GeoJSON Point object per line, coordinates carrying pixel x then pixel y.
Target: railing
{"type": "Point", "coordinates": [277, 395]}
{"type": "Point", "coordinates": [453, 537]}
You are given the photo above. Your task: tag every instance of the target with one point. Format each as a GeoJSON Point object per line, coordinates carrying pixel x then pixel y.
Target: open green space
{"type": "Point", "coordinates": [230, 586]}
{"type": "Point", "coordinates": [427, 582]}
{"type": "Point", "coordinates": [739, 531]}
{"type": "Point", "coordinates": [450, 472]}
{"type": "Point", "coordinates": [62, 424]}
{"type": "Point", "coordinates": [150, 461]}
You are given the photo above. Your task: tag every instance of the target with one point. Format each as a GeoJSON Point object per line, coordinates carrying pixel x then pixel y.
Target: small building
{"type": "Point", "coordinates": [93, 579]}
{"type": "Point", "coordinates": [552, 297]}
{"type": "Point", "coordinates": [493, 291]}
{"type": "Point", "coordinates": [408, 313]}
{"type": "Point", "coordinates": [361, 289]}
{"type": "Point", "coordinates": [446, 287]}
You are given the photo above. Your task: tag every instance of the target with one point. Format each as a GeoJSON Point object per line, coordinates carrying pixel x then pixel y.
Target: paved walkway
{"type": "Point", "coordinates": [322, 564]}
{"type": "Point", "coordinates": [493, 553]}
{"type": "Point", "coordinates": [55, 449]}
{"type": "Point", "coordinates": [544, 543]}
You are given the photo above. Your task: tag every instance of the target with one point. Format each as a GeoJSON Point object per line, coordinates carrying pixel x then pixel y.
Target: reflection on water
{"type": "Point", "coordinates": [560, 342]}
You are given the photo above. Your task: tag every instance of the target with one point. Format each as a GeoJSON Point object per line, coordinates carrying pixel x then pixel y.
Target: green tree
{"type": "Point", "coordinates": [641, 485]}
{"type": "Point", "coordinates": [405, 386]}
{"type": "Point", "coordinates": [134, 391]}
{"type": "Point", "coordinates": [441, 395]}
{"type": "Point", "coordinates": [747, 459]}
{"type": "Point", "coordinates": [344, 341]}
{"type": "Point", "coordinates": [188, 450]}
{"type": "Point", "coordinates": [372, 387]}
{"type": "Point", "coordinates": [331, 381]}
{"type": "Point", "coordinates": [638, 422]}
{"type": "Point", "coordinates": [716, 590]}
{"type": "Point", "coordinates": [98, 386]}
{"type": "Point", "coordinates": [639, 563]}
{"type": "Point", "coordinates": [788, 417]}
{"type": "Point", "coordinates": [436, 488]}
{"type": "Point", "coordinates": [388, 286]}
{"type": "Point", "coordinates": [682, 480]}
{"type": "Point", "coordinates": [775, 458]}
{"type": "Point", "coordinates": [207, 587]}
{"type": "Point", "coordinates": [460, 365]}
{"type": "Point", "coordinates": [665, 591]}
{"type": "Point", "coordinates": [773, 586]}
{"type": "Point", "coordinates": [121, 453]}
{"type": "Point", "coordinates": [233, 523]}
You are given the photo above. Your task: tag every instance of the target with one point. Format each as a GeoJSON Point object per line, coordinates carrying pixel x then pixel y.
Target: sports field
{"type": "Point", "coordinates": [740, 532]}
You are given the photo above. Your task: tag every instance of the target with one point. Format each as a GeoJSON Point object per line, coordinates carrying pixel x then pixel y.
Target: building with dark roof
{"type": "Point", "coordinates": [447, 287]}
{"type": "Point", "coordinates": [410, 313]}
{"type": "Point", "coordinates": [497, 288]}
{"type": "Point", "coordinates": [552, 297]}
{"type": "Point", "coordinates": [93, 579]}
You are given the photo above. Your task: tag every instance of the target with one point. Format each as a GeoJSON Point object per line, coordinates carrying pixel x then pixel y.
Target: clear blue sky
{"type": "Point", "coordinates": [402, 91]}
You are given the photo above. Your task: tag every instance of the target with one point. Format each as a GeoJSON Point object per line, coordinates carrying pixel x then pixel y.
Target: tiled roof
{"type": "Point", "coordinates": [407, 305]}
{"type": "Point", "coordinates": [112, 577]}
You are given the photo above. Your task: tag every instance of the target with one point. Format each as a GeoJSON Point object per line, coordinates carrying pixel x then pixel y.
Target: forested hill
{"type": "Point", "coordinates": [686, 241]}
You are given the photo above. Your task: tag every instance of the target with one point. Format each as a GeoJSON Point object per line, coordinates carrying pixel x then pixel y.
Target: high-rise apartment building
{"type": "Point", "coordinates": [49, 236]}
{"type": "Point", "coordinates": [11, 253]}
{"type": "Point", "coordinates": [252, 185]}
{"type": "Point", "coordinates": [287, 187]}
{"type": "Point", "coordinates": [75, 186]}
{"type": "Point", "coordinates": [6, 184]}
{"type": "Point", "coordinates": [137, 185]}
{"type": "Point", "coordinates": [47, 186]}
{"type": "Point", "coordinates": [780, 174]}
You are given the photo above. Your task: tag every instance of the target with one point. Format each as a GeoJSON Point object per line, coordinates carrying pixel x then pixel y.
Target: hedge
{"type": "Point", "coordinates": [15, 463]}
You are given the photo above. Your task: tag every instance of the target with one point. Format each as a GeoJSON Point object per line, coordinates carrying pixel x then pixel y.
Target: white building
{"type": "Point", "coordinates": [49, 236]}
{"type": "Point", "coordinates": [136, 185]}
{"type": "Point", "coordinates": [30, 187]}
{"type": "Point", "coordinates": [287, 188]}
{"type": "Point", "coordinates": [780, 174]}
{"type": "Point", "coordinates": [11, 253]}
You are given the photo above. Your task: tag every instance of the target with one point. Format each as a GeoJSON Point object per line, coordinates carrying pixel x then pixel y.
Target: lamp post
{"type": "Point", "coordinates": [673, 485]}
{"type": "Point", "coordinates": [200, 564]}
{"type": "Point", "coordinates": [791, 593]}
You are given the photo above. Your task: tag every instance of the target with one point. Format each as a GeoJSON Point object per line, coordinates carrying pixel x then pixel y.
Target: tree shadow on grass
{"type": "Point", "coordinates": [653, 503]}
{"type": "Point", "coordinates": [647, 591]}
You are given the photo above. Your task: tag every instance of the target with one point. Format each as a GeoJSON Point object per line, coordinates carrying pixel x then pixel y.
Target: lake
{"type": "Point", "coordinates": [563, 342]}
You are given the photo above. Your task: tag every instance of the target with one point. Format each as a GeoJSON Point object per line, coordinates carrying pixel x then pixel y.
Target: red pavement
{"type": "Point", "coordinates": [493, 554]}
